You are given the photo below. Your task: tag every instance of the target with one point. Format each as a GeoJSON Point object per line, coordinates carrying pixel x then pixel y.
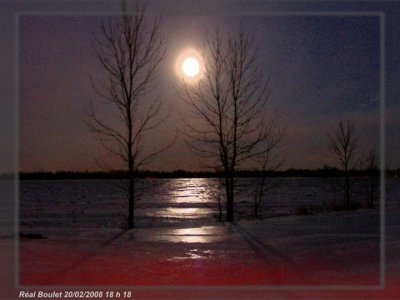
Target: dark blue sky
{"type": "Point", "coordinates": [322, 68]}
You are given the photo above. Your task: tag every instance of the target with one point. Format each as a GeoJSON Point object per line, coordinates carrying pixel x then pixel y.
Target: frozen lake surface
{"type": "Point", "coordinates": [179, 242]}
{"type": "Point", "coordinates": [171, 202]}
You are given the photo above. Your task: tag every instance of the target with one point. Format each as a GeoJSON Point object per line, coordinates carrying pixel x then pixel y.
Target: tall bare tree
{"type": "Point", "coordinates": [343, 146]}
{"type": "Point", "coordinates": [228, 102]}
{"type": "Point", "coordinates": [129, 50]}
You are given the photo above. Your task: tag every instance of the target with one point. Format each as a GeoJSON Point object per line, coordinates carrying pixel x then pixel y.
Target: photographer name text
{"type": "Point", "coordinates": [75, 294]}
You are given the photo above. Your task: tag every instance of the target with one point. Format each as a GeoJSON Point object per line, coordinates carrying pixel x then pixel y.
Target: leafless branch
{"type": "Point", "coordinates": [229, 104]}
{"type": "Point", "coordinates": [343, 147]}
{"type": "Point", "coordinates": [129, 50]}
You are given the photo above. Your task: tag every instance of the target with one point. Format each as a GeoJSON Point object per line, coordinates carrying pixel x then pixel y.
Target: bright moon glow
{"type": "Point", "coordinates": [190, 67]}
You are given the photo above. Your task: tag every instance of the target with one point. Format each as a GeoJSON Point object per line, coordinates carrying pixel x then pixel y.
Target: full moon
{"type": "Point", "coordinates": [191, 67]}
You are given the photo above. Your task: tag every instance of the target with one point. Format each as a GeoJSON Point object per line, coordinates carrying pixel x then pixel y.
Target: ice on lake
{"type": "Point", "coordinates": [166, 202]}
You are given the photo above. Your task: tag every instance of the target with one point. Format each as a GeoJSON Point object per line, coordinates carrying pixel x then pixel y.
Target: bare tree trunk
{"type": "Point", "coordinates": [231, 100]}
{"type": "Point", "coordinates": [131, 200]}
{"type": "Point", "coordinates": [347, 190]}
{"type": "Point", "coordinates": [371, 168]}
{"type": "Point", "coordinates": [229, 200]}
{"type": "Point", "coordinates": [219, 209]}
{"type": "Point", "coordinates": [268, 162]}
{"type": "Point", "coordinates": [259, 195]}
{"type": "Point", "coordinates": [343, 146]}
{"type": "Point", "coordinates": [129, 50]}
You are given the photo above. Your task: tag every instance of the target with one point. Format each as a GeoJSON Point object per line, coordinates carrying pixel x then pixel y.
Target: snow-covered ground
{"type": "Point", "coordinates": [328, 255]}
{"type": "Point", "coordinates": [310, 252]}
{"type": "Point", "coordinates": [285, 251]}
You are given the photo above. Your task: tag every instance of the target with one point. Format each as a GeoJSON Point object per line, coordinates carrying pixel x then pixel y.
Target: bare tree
{"type": "Point", "coordinates": [267, 163]}
{"type": "Point", "coordinates": [228, 103]}
{"type": "Point", "coordinates": [343, 144]}
{"type": "Point", "coordinates": [129, 50]}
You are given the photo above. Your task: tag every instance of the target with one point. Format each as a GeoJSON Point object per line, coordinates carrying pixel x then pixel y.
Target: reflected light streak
{"type": "Point", "coordinates": [191, 190]}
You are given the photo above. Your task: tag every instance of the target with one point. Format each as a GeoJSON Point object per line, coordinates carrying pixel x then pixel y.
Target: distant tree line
{"type": "Point", "coordinates": [323, 172]}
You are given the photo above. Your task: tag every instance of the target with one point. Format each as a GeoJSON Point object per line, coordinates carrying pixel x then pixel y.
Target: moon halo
{"type": "Point", "coordinates": [189, 65]}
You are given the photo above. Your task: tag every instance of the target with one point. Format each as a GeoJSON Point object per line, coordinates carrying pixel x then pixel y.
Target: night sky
{"type": "Point", "coordinates": [322, 69]}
